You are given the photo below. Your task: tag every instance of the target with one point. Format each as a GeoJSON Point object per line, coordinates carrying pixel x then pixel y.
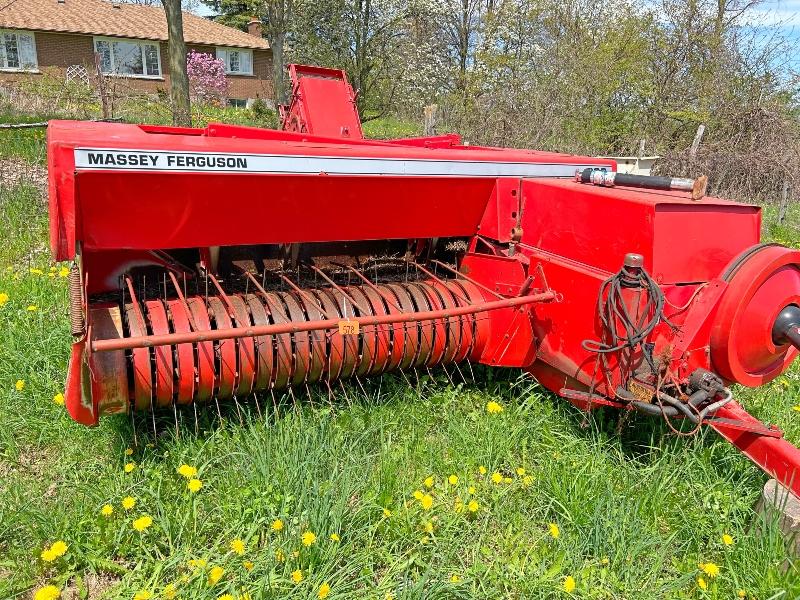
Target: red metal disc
{"type": "Point", "coordinates": [226, 349]}
{"type": "Point", "coordinates": [350, 342]}
{"type": "Point", "coordinates": [466, 322]}
{"type": "Point", "coordinates": [183, 352]}
{"type": "Point", "coordinates": [206, 361]}
{"type": "Point", "coordinates": [481, 320]}
{"type": "Point", "coordinates": [265, 350]}
{"type": "Point", "coordinates": [283, 342]}
{"type": "Point", "coordinates": [142, 373]}
{"type": "Point", "coordinates": [246, 347]}
{"type": "Point", "coordinates": [317, 338]}
{"type": "Point", "coordinates": [410, 335]}
{"type": "Point", "coordinates": [367, 334]}
{"type": "Point", "coordinates": [302, 346]}
{"type": "Point", "coordinates": [426, 328]}
{"type": "Point", "coordinates": [439, 325]}
{"type": "Point", "coordinates": [453, 323]}
{"type": "Point", "coordinates": [335, 346]}
{"type": "Point", "coordinates": [761, 286]}
{"type": "Point", "coordinates": [383, 333]}
{"type": "Point", "coordinates": [163, 354]}
{"type": "Point", "coordinates": [397, 330]}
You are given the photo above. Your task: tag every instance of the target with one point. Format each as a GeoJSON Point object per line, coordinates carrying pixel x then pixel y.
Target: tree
{"type": "Point", "coordinates": [179, 79]}
{"type": "Point", "coordinates": [277, 24]}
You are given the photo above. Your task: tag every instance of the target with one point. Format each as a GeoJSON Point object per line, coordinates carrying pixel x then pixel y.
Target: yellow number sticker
{"type": "Point", "coordinates": [348, 327]}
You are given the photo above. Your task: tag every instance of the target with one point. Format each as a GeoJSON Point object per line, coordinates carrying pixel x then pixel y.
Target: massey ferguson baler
{"type": "Point", "coordinates": [213, 264]}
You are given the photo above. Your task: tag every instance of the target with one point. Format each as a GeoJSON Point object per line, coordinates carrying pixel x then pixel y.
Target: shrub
{"type": "Point", "coordinates": [207, 81]}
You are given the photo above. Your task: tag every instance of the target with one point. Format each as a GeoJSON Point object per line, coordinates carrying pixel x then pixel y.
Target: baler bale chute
{"type": "Point", "coordinates": [214, 264]}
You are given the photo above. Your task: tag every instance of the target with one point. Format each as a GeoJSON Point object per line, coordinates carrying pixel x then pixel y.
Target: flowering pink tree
{"type": "Point", "coordinates": [207, 81]}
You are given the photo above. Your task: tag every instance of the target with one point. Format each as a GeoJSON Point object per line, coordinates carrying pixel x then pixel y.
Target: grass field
{"type": "Point", "coordinates": [578, 510]}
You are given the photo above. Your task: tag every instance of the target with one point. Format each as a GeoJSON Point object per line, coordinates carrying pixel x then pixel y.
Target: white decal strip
{"type": "Point", "coordinates": [160, 160]}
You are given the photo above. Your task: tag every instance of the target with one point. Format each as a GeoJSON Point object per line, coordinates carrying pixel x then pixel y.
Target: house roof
{"type": "Point", "coordinates": [99, 17]}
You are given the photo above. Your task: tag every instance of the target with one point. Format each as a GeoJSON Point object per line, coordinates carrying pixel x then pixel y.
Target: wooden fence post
{"type": "Point", "coordinates": [430, 119]}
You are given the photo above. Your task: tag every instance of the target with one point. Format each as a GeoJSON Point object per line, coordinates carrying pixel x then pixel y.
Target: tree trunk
{"type": "Point", "coordinates": [179, 80]}
{"type": "Point", "coordinates": [276, 42]}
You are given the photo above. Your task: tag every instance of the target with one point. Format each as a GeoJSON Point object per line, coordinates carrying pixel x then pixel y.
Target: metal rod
{"type": "Point", "coordinates": [279, 328]}
{"type": "Point", "coordinates": [472, 281]}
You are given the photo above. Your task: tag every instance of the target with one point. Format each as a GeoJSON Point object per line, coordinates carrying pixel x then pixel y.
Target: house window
{"type": "Point", "coordinates": [132, 58]}
{"type": "Point", "coordinates": [17, 50]}
{"type": "Point", "coordinates": [237, 60]}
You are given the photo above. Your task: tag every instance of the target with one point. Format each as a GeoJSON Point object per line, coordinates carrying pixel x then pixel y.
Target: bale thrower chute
{"type": "Point", "coordinates": [212, 264]}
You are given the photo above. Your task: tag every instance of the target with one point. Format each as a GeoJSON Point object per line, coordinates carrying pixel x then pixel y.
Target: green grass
{"type": "Point", "coordinates": [636, 512]}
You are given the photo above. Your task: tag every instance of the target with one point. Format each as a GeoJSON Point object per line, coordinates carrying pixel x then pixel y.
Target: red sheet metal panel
{"type": "Point", "coordinates": [681, 240]}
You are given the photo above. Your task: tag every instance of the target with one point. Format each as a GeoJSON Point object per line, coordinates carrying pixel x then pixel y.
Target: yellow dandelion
{"type": "Point", "coordinates": [709, 569]}
{"type": "Point", "coordinates": [418, 495]}
{"type": "Point", "coordinates": [455, 579]}
{"type": "Point", "coordinates": [335, 536]}
{"type": "Point", "coordinates": [741, 594]}
{"type": "Point", "coordinates": [280, 556]}
{"type": "Point", "coordinates": [142, 595]}
{"type": "Point", "coordinates": [604, 560]}
{"type": "Point", "coordinates": [727, 539]}
{"type": "Point", "coordinates": [428, 527]}
{"type": "Point", "coordinates": [482, 470]}
{"type": "Point", "coordinates": [237, 546]}
{"type": "Point", "coordinates": [63, 272]}
{"type": "Point", "coordinates": [796, 407]}
{"type": "Point", "coordinates": [129, 467]}
{"type": "Point", "coordinates": [215, 574]}
{"type": "Point", "coordinates": [225, 597]}
{"type": "Point", "coordinates": [128, 451]}
{"type": "Point", "coordinates": [142, 523]}
{"type": "Point", "coordinates": [569, 584]}
{"type": "Point", "coordinates": [277, 525]}
{"type": "Point", "coordinates": [128, 502]}
{"type": "Point", "coordinates": [248, 564]}
{"type": "Point", "coordinates": [527, 481]}
{"type": "Point", "coordinates": [520, 471]}
{"type": "Point", "coordinates": [197, 563]}
{"type": "Point", "coordinates": [20, 385]}
{"type": "Point", "coordinates": [59, 399]}
{"type": "Point", "coordinates": [187, 471]}
{"type": "Point", "coordinates": [35, 271]}
{"type": "Point", "coordinates": [107, 510]}
{"type": "Point", "coordinates": [324, 591]}
{"type": "Point", "coordinates": [473, 506]}
{"type": "Point", "coordinates": [59, 548]}
{"type": "Point", "coordinates": [493, 407]}
{"type": "Point", "coordinates": [32, 308]}
{"type": "Point", "coordinates": [297, 576]}
{"type": "Point", "coordinates": [308, 538]}
{"type": "Point", "coordinates": [427, 501]}
{"type": "Point", "coordinates": [3, 298]}
{"type": "Point", "coordinates": [48, 555]}
{"type": "Point", "coordinates": [471, 491]}
{"type": "Point", "coordinates": [194, 485]}
{"type": "Point", "coordinates": [429, 482]}
{"type": "Point", "coordinates": [387, 513]}
{"type": "Point", "coordinates": [48, 592]}
{"type": "Point", "coordinates": [554, 530]}
{"type": "Point", "coordinates": [701, 583]}
{"type": "Point", "coordinates": [497, 477]}
{"type": "Point", "coordinates": [169, 592]}
{"type": "Point", "coordinates": [453, 480]}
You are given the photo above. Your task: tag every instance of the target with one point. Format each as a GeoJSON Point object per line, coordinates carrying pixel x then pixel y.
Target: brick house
{"type": "Point", "coordinates": [130, 42]}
